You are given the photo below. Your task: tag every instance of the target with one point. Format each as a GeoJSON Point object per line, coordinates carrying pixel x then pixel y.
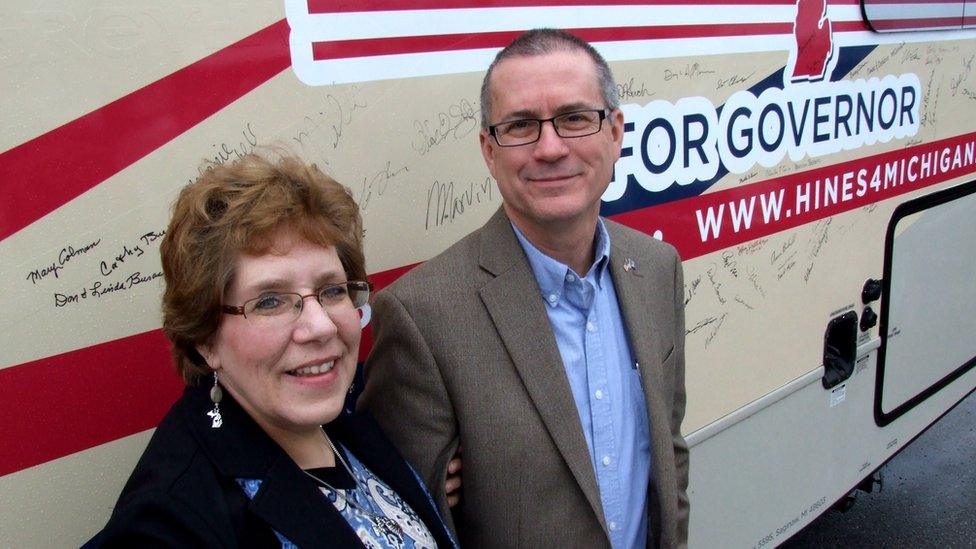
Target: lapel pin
{"type": "Point", "coordinates": [630, 266]}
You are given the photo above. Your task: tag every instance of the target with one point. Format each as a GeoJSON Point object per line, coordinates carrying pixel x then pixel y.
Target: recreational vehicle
{"type": "Point", "coordinates": [810, 160]}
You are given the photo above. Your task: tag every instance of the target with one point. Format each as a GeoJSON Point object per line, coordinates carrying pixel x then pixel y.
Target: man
{"type": "Point", "coordinates": [549, 344]}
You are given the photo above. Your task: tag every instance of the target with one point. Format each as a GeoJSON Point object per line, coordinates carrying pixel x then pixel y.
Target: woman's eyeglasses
{"type": "Point", "coordinates": [334, 298]}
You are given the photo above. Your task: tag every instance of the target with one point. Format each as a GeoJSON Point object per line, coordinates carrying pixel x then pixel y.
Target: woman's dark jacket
{"type": "Point", "coordinates": [184, 490]}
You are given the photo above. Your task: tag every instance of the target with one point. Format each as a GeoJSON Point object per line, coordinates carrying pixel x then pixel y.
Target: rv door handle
{"type": "Point", "coordinates": [871, 291]}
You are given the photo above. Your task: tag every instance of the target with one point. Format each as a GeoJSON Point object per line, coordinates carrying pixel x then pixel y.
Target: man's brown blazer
{"type": "Point", "coordinates": [464, 355]}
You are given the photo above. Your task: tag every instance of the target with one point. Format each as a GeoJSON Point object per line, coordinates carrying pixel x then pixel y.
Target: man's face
{"type": "Point", "coordinates": [555, 181]}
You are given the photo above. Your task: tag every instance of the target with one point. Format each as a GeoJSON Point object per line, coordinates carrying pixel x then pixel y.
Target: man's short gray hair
{"type": "Point", "coordinates": [543, 42]}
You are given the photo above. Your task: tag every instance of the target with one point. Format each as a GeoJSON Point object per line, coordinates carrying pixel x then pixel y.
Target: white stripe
{"type": "Point", "coordinates": [842, 13]}
{"type": "Point", "coordinates": [352, 26]}
{"type": "Point", "coordinates": [385, 67]}
{"type": "Point", "coordinates": [682, 47]}
{"type": "Point", "coordinates": [382, 67]}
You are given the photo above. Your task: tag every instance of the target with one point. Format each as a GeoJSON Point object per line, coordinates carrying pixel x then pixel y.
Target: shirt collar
{"type": "Point", "coordinates": [551, 274]}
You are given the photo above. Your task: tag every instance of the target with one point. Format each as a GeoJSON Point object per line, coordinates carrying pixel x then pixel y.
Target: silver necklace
{"type": "Point", "coordinates": [387, 525]}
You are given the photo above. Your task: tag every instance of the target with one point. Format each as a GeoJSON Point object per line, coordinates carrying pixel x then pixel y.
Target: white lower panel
{"type": "Point", "coordinates": [85, 486]}
{"type": "Point", "coordinates": [759, 481]}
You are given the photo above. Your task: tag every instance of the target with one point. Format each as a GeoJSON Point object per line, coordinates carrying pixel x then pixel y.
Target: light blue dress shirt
{"type": "Point", "coordinates": [585, 317]}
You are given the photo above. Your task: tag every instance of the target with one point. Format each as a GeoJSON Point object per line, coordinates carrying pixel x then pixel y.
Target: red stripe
{"type": "Point", "coordinates": [71, 402]}
{"type": "Point", "coordinates": [339, 49]}
{"type": "Point", "coordinates": [920, 23]}
{"type": "Point", "coordinates": [346, 6]}
{"type": "Point", "coordinates": [369, 47]}
{"type": "Point", "coordinates": [682, 228]}
{"type": "Point", "coordinates": [67, 403]}
{"type": "Point", "coordinates": [383, 279]}
{"type": "Point", "coordinates": [103, 142]}
{"type": "Point", "coordinates": [44, 173]}
{"type": "Point", "coordinates": [849, 26]}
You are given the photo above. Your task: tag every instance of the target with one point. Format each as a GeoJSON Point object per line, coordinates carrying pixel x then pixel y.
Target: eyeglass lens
{"type": "Point", "coordinates": [334, 298]}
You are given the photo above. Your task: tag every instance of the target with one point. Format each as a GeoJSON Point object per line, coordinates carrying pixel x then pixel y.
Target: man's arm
{"type": "Point", "coordinates": [406, 394]}
{"type": "Point", "coordinates": [678, 412]}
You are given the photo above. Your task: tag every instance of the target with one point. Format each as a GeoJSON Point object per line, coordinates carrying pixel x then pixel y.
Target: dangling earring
{"type": "Point", "coordinates": [216, 395]}
{"type": "Point", "coordinates": [365, 313]}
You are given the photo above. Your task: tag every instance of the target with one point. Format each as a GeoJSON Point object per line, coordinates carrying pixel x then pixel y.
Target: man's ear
{"type": "Point", "coordinates": [488, 150]}
{"type": "Point", "coordinates": [616, 120]}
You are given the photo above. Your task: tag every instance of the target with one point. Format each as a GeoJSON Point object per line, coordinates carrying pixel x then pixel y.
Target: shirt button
{"type": "Point", "coordinates": [606, 460]}
{"type": "Point", "coordinates": [613, 526]}
{"type": "Point", "coordinates": [553, 299]}
{"type": "Point", "coordinates": [590, 327]}
{"type": "Point", "coordinates": [598, 394]}
{"type": "Point", "coordinates": [570, 277]}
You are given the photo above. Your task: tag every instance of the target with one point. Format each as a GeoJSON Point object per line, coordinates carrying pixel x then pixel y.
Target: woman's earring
{"type": "Point", "coordinates": [365, 312]}
{"type": "Point", "coordinates": [216, 395]}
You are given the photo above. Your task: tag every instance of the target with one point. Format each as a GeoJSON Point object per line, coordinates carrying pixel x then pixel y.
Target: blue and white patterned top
{"type": "Point", "coordinates": [378, 498]}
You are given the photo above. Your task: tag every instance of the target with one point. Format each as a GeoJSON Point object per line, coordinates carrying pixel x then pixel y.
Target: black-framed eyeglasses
{"type": "Point", "coordinates": [579, 123]}
{"type": "Point", "coordinates": [334, 298]}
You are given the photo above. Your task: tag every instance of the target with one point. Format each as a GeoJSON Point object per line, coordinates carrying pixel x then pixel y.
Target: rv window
{"type": "Point", "coordinates": [897, 16]}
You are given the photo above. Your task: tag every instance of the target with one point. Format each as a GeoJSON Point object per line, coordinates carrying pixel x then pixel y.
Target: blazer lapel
{"type": "Point", "coordinates": [515, 305]}
{"type": "Point", "coordinates": [635, 294]}
{"type": "Point", "coordinates": [297, 510]}
{"type": "Point", "coordinates": [287, 500]}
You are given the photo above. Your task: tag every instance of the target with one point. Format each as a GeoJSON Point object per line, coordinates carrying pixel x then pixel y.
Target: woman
{"type": "Point", "coordinates": [265, 293]}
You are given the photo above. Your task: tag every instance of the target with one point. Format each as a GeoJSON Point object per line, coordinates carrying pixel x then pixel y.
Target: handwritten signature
{"type": "Point", "coordinates": [445, 203]}
{"type": "Point", "coordinates": [332, 120]}
{"type": "Point", "coordinates": [713, 323]}
{"type": "Point", "coordinates": [99, 289]}
{"type": "Point", "coordinates": [733, 80]}
{"type": "Point", "coordinates": [777, 254]}
{"type": "Point", "coordinates": [716, 285]}
{"type": "Point", "coordinates": [459, 120]}
{"type": "Point", "coordinates": [690, 71]}
{"type": "Point", "coordinates": [227, 151]}
{"type": "Point", "coordinates": [691, 289]}
{"type": "Point", "coordinates": [66, 254]}
{"type": "Point", "coordinates": [629, 90]}
{"type": "Point", "coordinates": [377, 184]}
{"type": "Point", "coordinates": [728, 261]}
{"type": "Point", "coordinates": [107, 267]}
